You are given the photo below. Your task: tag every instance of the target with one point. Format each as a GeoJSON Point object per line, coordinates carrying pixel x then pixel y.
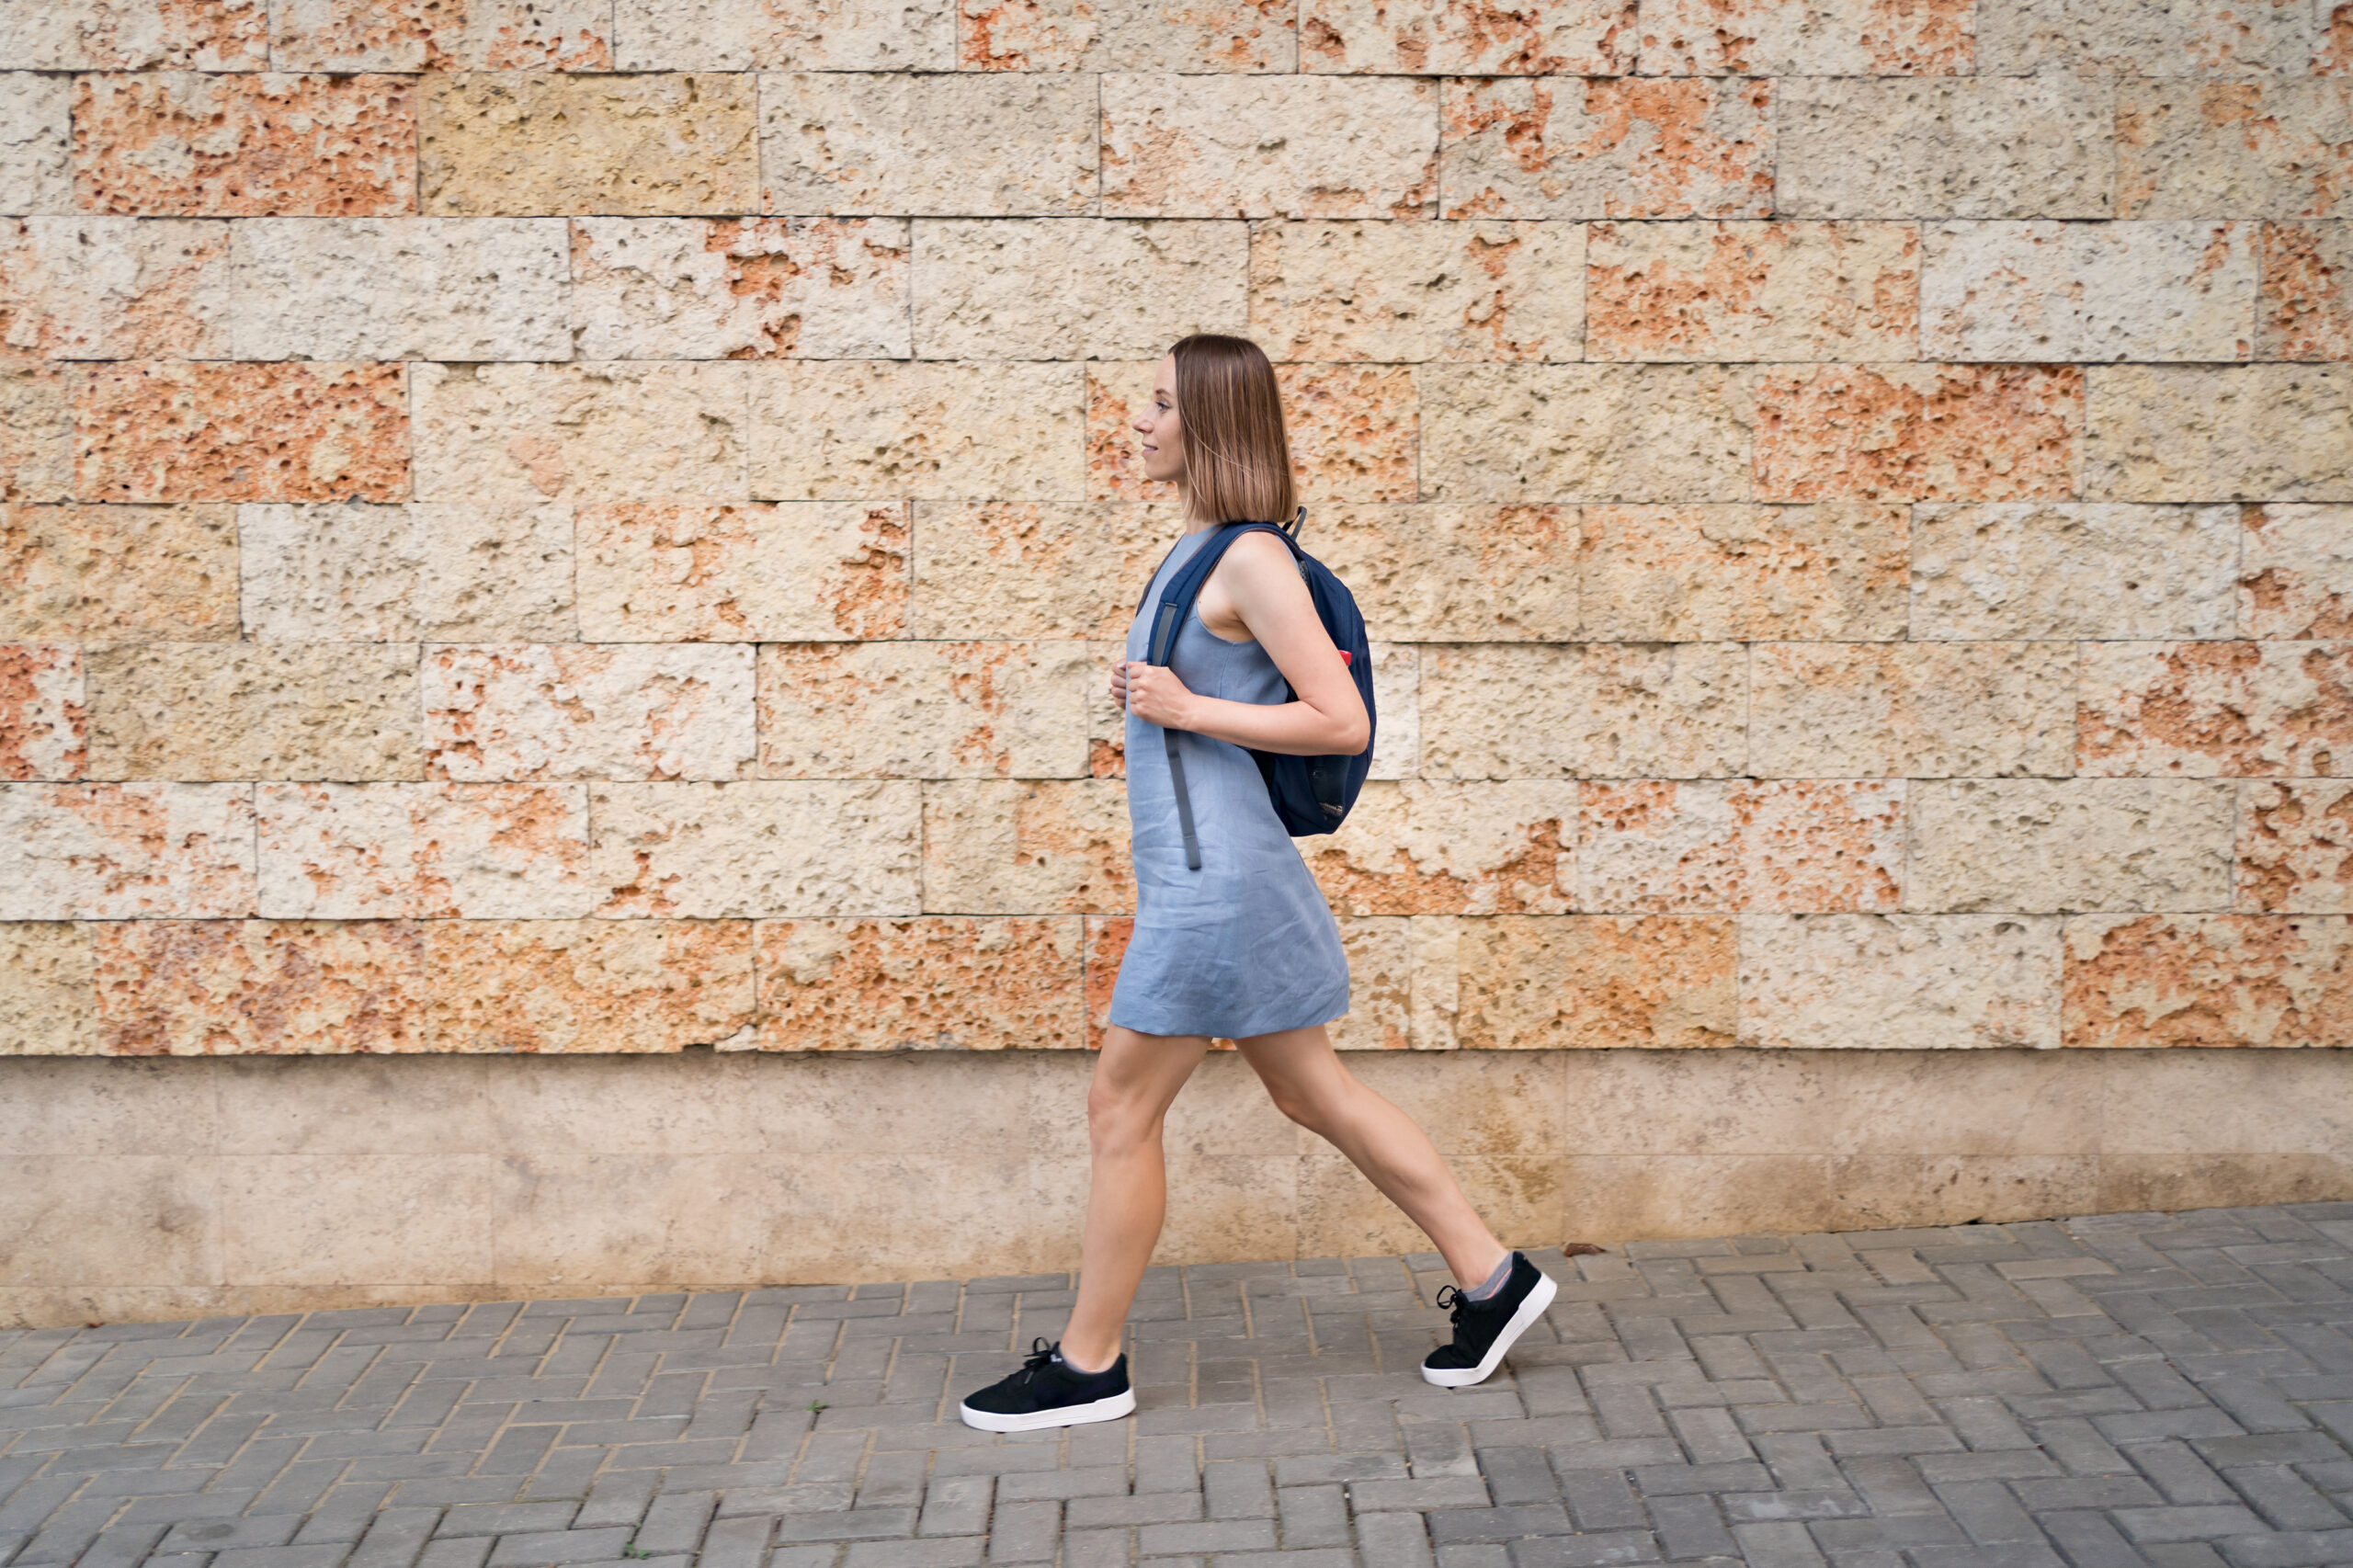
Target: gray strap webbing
{"type": "Point", "coordinates": [1162, 636]}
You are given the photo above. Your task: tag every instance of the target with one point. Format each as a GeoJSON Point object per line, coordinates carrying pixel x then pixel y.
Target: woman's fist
{"type": "Point", "coordinates": [1151, 692]}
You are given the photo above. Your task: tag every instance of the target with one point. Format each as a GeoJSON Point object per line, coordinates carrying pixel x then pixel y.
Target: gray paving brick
{"type": "Point", "coordinates": [857, 1524]}
{"type": "Point", "coordinates": [2193, 1522]}
{"type": "Point", "coordinates": [955, 1552]}
{"type": "Point", "coordinates": [1237, 1489]}
{"type": "Point", "coordinates": [956, 1506]}
{"type": "Point", "coordinates": [1394, 1541]}
{"type": "Point", "coordinates": [736, 1543]}
{"type": "Point", "coordinates": [557, 1547]}
{"type": "Point", "coordinates": [1584, 1551]}
{"type": "Point", "coordinates": [1142, 1508]}
{"type": "Point", "coordinates": [1313, 1516]}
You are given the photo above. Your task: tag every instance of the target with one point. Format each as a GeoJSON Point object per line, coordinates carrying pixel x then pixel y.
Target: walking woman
{"type": "Point", "coordinates": [1245, 946]}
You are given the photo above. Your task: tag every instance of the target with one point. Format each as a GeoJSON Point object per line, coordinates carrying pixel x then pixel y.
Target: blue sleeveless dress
{"type": "Point", "coordinates": [1246, 944]}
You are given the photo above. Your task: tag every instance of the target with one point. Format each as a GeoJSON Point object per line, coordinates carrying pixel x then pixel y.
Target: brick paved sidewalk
{"type": "Point", "coordinates": [2102, 1392]}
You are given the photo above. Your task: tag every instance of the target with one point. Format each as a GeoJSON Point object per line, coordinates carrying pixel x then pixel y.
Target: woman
{"type": "Point", "coordinates": [1245, 946]}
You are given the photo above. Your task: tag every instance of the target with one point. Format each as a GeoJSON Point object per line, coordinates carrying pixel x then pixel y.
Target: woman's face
{"type": "Point", "coordinates": [1163, 441]}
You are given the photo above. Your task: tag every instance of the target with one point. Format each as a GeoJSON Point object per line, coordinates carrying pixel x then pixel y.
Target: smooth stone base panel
{"type": "Point", "coordinates": [155, 1189]}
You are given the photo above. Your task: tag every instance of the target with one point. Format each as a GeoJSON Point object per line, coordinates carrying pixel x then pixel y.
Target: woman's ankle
{"type": "Point", "coordinates": [1089, 1359]}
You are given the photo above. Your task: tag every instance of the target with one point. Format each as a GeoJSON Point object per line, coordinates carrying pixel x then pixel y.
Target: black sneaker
{"type": "Point", "coordinates": [1049, 1391]}
{"type": "Point", "coordinates": [1484, 1330]}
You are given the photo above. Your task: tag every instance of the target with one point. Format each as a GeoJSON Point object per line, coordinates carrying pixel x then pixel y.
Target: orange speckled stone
{"type": "Point", "coordinates": [1728, 291]}
{"type": "Point", "coordinates": [1026, 847]}
{"type": "Point", "coordinates": [1698, 574]}
{"type": "Point", "coordinates": [751, 573]}
{"type": "Point", "coordinates": [2207, 980]}
{"type": "Point", "coordinates": [1354, 430]}
{"type": "Point", "coordinates": [1724, 845]}
{"type": "Point", "coordinates": [1607, 147]}
{"type": "Point", "coordinates": [36, 434]}
{"type": "Point", "coordinates": [137, 35]}
{"type": "Point", "coordinates": [149, 431]}
{"type": "Point", "coordinates": [433, 851]}
{"type": "Point", "coordinates": [931, 984]}
{"type": "Point", "coordinates": [1828, 37]}
{"type": "Point", "coordinates": [261, 144]}
{"type": "Point", "coordinates": [2304, 301]}
{"type": "Point", "coordinates": [44, 720]}
{"type": "Point", "coordinates": [1533, 983]}
{"type": "Point", "coordinates": [2296, 572]}
{"type": "Point", "coordinates": [2216, 710]}
{"type": "Point", "coordinates": [260, 987]}
{"type": "Point", "coordinates": [126, 851]}
{"type": "Point", "coordinates": [1920, 433]}
{"type": "Point", "coordinates": [1424, 846]}
{"type": "Point", "coordinates": [438, 35]}
{"type": "Point", "coordinates": [1470, 38]}
{"type": "Point", "coordinates": [2295, 847]}
{"type": "Point", "coordinates": [617, 986]}
{"type": "Point", "coordinates": [114, 289]}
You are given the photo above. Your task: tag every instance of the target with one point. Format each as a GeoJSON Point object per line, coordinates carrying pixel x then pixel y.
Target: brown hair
{"type": "Point", "coordinates": [1237, 457]}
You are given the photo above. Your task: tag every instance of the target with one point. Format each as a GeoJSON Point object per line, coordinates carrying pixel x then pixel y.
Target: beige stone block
{"type": "Point", "coordinates": [1355, 431]}
{"type": "Point", "coordinates": [2209, 979]}
{"type": "Point", "coordinates": [1426, 848]}
{"type": "Point", "coordinates": [2295, 847]}
{"type": "Point", "coordinates": [2296, 572]}
{"type": "Point", "coordinates": [44, 714]}
{"type": "Point", "coordinates": [1469, 37]}
{"type": "Point", "coordinates": [422, 572]}
{"type": "Point", "coordinates": [2216, 709]}
{"type": "Point", "coordinates": [1698, 574]}
{"type": "Point", "coordinates": [115, 287]}
{"type": "Point", "coordinates": [763, 35]}
{"type": "Point", "coordinates": [1823, 38]}
{"type": "Point", "coordinates": [535, 144]}
{"type": "Point", "coordinates": [1584, 711]}
{"type": "Point", "coordinates": [2305, 306]}
{"type": "Point", "coordinates": [588, 985]}
{"type": "Point", "coordinates": [359, 1104]}
{"type": "Point", "coordinates": [643, 1105]}
{"type": "Point", "coordinates": [48, 982]}
{"type": "Point", "coordinates": [248, 143]}
{"type": "Point", "coordinates": [178, 430]}
{"type": "Point", "coordinates": [2064, 569]}
{"type": "Point", "coordinates": [1912, 710]}
{"type": "Point", "coordinates": [924, 710]}
{"type": "Point", "coordinates": [1581, 981]}
{"type": "Point", "coordinates": [1981, 147]}
{"type": "Point", "coordinates": [96, 573]}
{"type": "Point", "coordinates": [989, 570]}
{"type": "Point", "coordinates": [1126, 35]}
{"type": "Point", "coordinates": [754, 572]}
{"type": "Point", "coordinates": [2039, 845]}
{"type": "Point", "coordinates": [1725, 291]}
{"type": "Point", "coordinates": [609, 431]}
{"type": "Point", "coordinates": [1381, 987]}
{"type": "Point", "coordinates": [2205, 38]}
{"type": "Point", "coordinates": [693, 1216]}
{"type": "Point", "coordinates": [422, 851]}
{"type": "Point", "coordinates": [230, 711]}
{"type": "Point", "coordinates": [1075, 288]}
{"type": "Point", "coordinates": [420, 35]}
{"type": "Point", "coordinates": [425, 1220]}
{"type": "Point", "coordinates": [50, 1207]}
{"type": "Point", "coordinates": [1454, 574]}
{"type": "Point", "coordinates": [881, 429]}
{"type": "Point", "coordinates": [508, 713]}
{"type": "Point", "coordinates": [36, 143]}
{"type": "Point", "coordinates": [759, 849]}
{"type": "Point", "coordinates": [137, 35]}
{"type": "Point", "coordinates": [259, 987]}
{"type": "Point", "coordinates": [2242, 1102]}
{"type": "Point", "coordinates": [1607, 147]}
{"type": "Point", "coordinates": [1011, 846]}
{"type": "Point", "coordinates": [1403, 292]}
{"type": "Point", "coordinates": [1955, 1107]}
{"type": "Point", "coordinates": [2053, 292]}
{"type": "Point", "coordinates": [36, 434]}
{"type": "Point", "coordinates": [1283, 147]}
{"type": "Point", "coordinates": [465, 288]}
{"type": "Point", "coordinates": [740, 288]}
{"type": "Point", "coordinates": [2201, 433]}
{"type": "Point", "coordinates": [929, 146]}
{"type": "Point", "coordinates": [1920, 432]}
{"type": "Point", "coordinates": [126, 851]}
{"type": "Point", "coordinates": [921, 984]}
{"type": "Point", "coordinates": [1899, 982]}
{"type": "Point", "coordinates": [1723, 846]}
{"type": "Point", "coordinates": [2191, 147]}
{"type": "Point", "coordinates": [1396, 702]}
{"type": "Point", "coordinates": [1643, 433]}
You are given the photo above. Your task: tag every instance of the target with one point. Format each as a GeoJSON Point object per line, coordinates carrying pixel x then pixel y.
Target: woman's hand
{"type": "Point", "coordinates": [1153, 693]}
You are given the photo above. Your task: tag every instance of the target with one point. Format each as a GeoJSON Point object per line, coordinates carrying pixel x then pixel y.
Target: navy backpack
{"type": "Point", "coordinates": [1311, 794]}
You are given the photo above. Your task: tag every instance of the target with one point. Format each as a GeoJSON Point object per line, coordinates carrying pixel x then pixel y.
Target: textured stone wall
{"type": "Point", "coordinates": [597, 525]}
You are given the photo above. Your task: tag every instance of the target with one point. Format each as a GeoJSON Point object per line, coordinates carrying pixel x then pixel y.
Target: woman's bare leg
{"type": "Point", "coordinates": [1136, 1077]}
{"type": "Point", "coordinates": [1308, 1084]}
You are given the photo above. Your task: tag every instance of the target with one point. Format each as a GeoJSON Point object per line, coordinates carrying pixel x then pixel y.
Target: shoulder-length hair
{"type": "Point", "coordinates": [1237, 457]}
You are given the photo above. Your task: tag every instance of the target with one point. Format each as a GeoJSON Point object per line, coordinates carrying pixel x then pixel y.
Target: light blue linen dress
{"type": "Point", "coordinates": [1246, 944]}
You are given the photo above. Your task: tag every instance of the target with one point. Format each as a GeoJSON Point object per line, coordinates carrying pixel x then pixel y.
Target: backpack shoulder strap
{"type": "Point", "coordinates": [1185, 586]}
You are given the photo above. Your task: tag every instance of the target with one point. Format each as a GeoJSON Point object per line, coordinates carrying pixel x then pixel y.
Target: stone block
{"type": "Point", "coordinates": [1920, 432]}
{"type": "Point", "coordinates": [513, 713]}
{"type": "Point", "coordinates": [1912, 710]}
{"type": "Point", "coordinates": [1381, 955]}
{"type": "Point", "coordinates": [2192, 147]}
{"type": "Point", "coordinates": [260, 987]}
{"type": "Point", "coordinates": [422, 851]}
{"type": "Point", "coordinates": [2072, 569]}
{"type": "Point", "coordinates": [633, 986]}
{"type": "Point", "coordinates": [753, 573]}
{"type": "Point", "coordinates": [1726, 846]}
{"type": "Point", "coordinates": [1597, 982]}
{"type": "Point", "coordinates": [1283, 147]}
{"type": "Point", "coordinates": [991, 569]}
{"type": "Point", "coordinates": [126, 851]}
{"type": "Point", "coordinates": [1011, 846]}
{"type": "Point", "coordinates": [1830, 38]}
{"type": "Point", "coordinates": [2216, 710]}
{"type": "Point", "coordinates": [2040, 846]}
{"type": "Point", "coordinates": [1470, 38]}
{"type": "Point", "coordinates": [534, 144]}
{"type": "Point", "coordinates": [2295, 847]}
{"type": "Point", "coordinates": [2209, 979]}
{"type": "Point", "coordinates": [758, 35]}
{"type": "Point", "coordinates": [36, 434]}
{"type": "Point", "coordinates": [2220, 432]}
{"type": "Point", "coordinates": [931, 984]}
{"type": "Point", "coordinates": [1607, 147]}
{"type": "Point", "coordinates": [162, 430]}
{"type": "Point", "coordinates": [2304, 308]}
{"type": "Point", "coordinates": [435, 572]}
{"type": "Point", "coordinates": [614, 430]}
{"type": "Point", "coordinates": [44, 728]}
{"type": "Point", "coordinates": [1126, 35]}
{"type": "Point", "coordinates": [36, 143]}
{"type": "Point", "coordinates": [1584, 711]}
{"type": "Point", "coordinates": [251, 144]}
{"type": "Point", "coordinates": [115, 287]}
{"type": "Point", "coordinates": [2205, 38]}
{"type": "Point", "coordinates": [1740, 573]}
{"type": "Point", "coordinates": [925, 710]}
{"type": "Point", "coordinates": [1728, 291]}
{"type": "Point", "coordinates": [760, 848]}
{"type": "Point", "coordinates": [418, 35]}
{"type": "Point", "coordinates": [1431, 848]}
{"type": "Point", "coordinates": [46, 986]}
{"type": "Point", "coordinates": [1118, 289]}
{"type": "Point", "coordinates": [465, 288]}
{"type": "Point", "coordinates": [2088, 292]}
{"type": "Point", "coordinates": [73, 574]}
{"type": "Point", "coordinates": [242, 711]}
{"type": "Point", "coordinates": [1402, 293]}
{"type": "Point", "coordinates": [1980, 147]}
{"type": "Point", "coordinates": [1455, 573]}
{"type": "Point", "coordinates": [740, 288]}
{"type": "Point", "coordinates": [1899, 982]}
{"type": "Point", "coordinates": [1353, 431]}
{"type": "Point", "coordinates": [1640, 433]}
{"type": "Point", "coordinates": [139, 35]}
{"type": "Point", "coordinates": [880, 429]}
{"type": "Point", "coordinates": [1107, 723]}
{"type": "Point", "coordinates": [929, 146]}
{"type": "Point", "coordinates": [2296, 572]}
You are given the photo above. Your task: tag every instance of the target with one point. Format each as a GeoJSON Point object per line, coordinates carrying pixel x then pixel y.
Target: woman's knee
{"type": "Point", "coordinates": [1119, 1117]}
{"type": "Point", "coordinates": [1314, 1103]}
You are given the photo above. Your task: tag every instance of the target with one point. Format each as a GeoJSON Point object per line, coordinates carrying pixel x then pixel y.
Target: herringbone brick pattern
{"type": "Point", "coordinates": [2105, 1391]}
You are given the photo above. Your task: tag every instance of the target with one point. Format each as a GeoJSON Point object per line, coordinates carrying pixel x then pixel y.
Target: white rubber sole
{"type": "Point", "coordinates": [1521, 1321]}
{"type": "Point", "coordinates": [1111, 1409]}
